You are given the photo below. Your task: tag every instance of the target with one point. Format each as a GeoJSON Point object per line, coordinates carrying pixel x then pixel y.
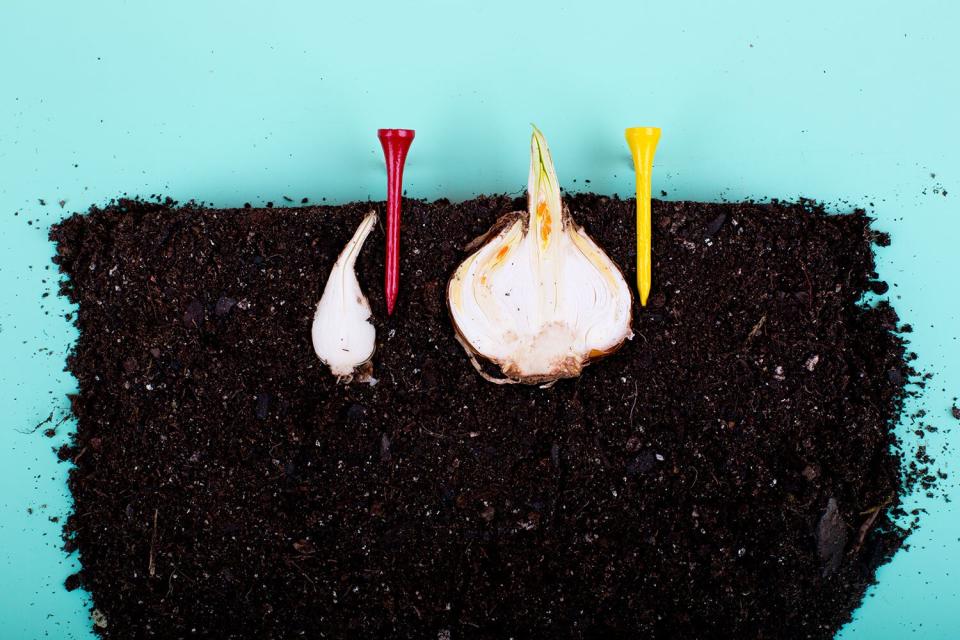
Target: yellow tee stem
{"type": "Point", "coordinates": [643, 144]}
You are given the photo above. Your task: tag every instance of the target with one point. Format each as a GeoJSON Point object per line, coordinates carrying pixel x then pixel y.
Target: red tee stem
{"type": "Point", "coordinates": [396, 143]}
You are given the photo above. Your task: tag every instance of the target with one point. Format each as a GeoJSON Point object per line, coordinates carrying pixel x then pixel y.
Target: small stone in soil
{"type": "Point", "coordinates": [193, 315]}
{"type": "Point", "coordinates": [714, 225]}
{"type": "Point", "coordinates": [831, 537]}
{"type": "Point", "coordinates": [224, 304]}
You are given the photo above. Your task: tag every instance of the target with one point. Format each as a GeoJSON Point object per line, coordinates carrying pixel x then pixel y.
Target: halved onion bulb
{"type": "Point", "coordinates": [343, 336]}
{"type": "Point", "coordinates": [539, 298]}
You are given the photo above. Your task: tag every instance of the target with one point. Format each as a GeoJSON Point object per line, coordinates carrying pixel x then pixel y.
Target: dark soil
{"type": "Point", "coordinates": [728, 473]}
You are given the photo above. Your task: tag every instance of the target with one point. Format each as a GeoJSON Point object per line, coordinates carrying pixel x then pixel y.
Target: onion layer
{"type": "Point", "coordinates": [539, 298]}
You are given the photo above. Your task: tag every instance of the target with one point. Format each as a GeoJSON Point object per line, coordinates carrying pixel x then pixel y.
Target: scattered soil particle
{"type": "Point", "coordinates": [37, 426]}
{"type": "Point", "coordinates": [698, 483]}
{"type": "Point", "coordinates": [72, 583]}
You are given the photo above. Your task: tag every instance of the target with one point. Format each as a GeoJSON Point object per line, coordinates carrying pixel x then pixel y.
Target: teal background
{"type": "Point", "coordinates": [853, 103]}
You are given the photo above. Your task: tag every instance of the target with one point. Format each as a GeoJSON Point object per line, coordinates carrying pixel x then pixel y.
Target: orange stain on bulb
{"type": "Point", "coordinates": [543, 214]}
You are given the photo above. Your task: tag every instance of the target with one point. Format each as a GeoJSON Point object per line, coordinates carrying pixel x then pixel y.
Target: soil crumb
{"type": "Point", "coordinates": [731, 472]}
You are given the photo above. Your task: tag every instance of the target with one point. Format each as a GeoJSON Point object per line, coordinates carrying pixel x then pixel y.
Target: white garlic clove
{"type": "Point", "coordinates": [539, 298]}
{"type": "Point", "coordinates": [343, 335]}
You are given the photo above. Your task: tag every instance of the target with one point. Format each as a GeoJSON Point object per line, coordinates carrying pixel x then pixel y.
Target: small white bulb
{"type": "Point", "coordinates": [343, 335]}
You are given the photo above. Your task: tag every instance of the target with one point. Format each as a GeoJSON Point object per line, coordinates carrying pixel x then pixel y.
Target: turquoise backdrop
{"type": "Point", "coordinates": [854, 103]}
